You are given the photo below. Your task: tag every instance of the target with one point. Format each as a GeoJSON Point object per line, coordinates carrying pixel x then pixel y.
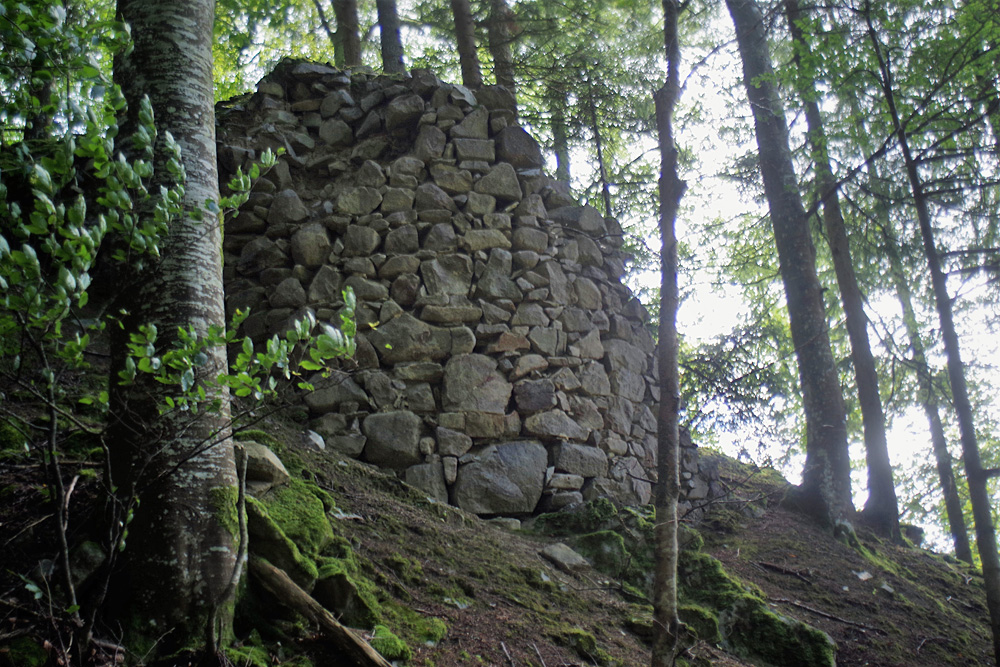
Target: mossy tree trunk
{"type": "Point", "coordinates": [825, 492]}
{"type": "Point", "coordinates": [180, 551]}
{"type": "Point", "coordinates": [671, 189]}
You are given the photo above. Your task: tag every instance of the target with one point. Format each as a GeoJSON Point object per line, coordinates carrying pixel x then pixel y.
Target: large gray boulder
{"type": "Point", "coordinates": [506, 479]}
{"type": "Point", "coordinates": [473, 383]}
{"type": "Point", "coordinates": [393, 439]}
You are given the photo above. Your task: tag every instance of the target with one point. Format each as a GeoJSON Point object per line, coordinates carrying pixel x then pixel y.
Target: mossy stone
{"type": "Point", "coordinates": [605, 550]}
{"type": "Point", "coordinates": [301, 514]}
{"type": "Point", "coordinates": [389, 645]}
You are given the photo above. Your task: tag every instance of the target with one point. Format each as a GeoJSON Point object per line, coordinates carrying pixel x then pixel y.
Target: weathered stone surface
{"type": "Point", "coordinates": [530, 314]}
{"type": "Point", "coordinates": [264, 468]}
{"type": "Point", "coordinates": [451, 179]}
{"type": "Point", "coordinates": [587, 294]}
{"type": "Point", "coordinates": [336, 132]}
{"type": "Point", "coordinates": [400, 264]}
{"type": "Point", "coordinates": [402, 241]}
{"type": "Point", "coordinates": [429, 478]}
{"type": "Point", "coordinates": [447, 274]}
{"type": "Point", "coordinates": [495, 282]}
{"type": "Point", "coordinates": [507, 479]}
{"type": "Point", "coordinates": [331, 392]}
{"type": "Point", "coordinates": [588, 347]}
{"type": "Point", "coordinates": [594, 379]}
{"type": "Point", "coordinates": [393, 439]}
{"type": "Point", "coordinates": [535, 395]}
{"type": "Point", "coordinates": [367, 290]}
{"type": "Point", "coordinates": [310, 246]}
{"type": "Point", "coordinates": [518, 148]}
{"type": "Point", "coordinates": [474, 126]}
{"type": "Point", "coordinates": [475, 149]}
{"type": "Point", "coordinates": [529, 238]}
{"type": "Point", "coordinates": [554, 424]}
{"type": "Point", "coordinates": [430, 196]}
{"type": "Point", "coordinates": [360, 241]}
{"type": "Point", "coordinates": [564, 558]}
{"type": "Point", "coordinates": [501, 182]}
{"type": "Point", "coordinates": [406, 338]}
{"type": "Point", "coordinates": [473, 383]}
{"type": "Point", "coordinates": [326, 286]}
{"type": "Point", "coordinates": [430, 143]}
{"type": "Point", "coordinates": [403, 112]}
{"type": "Point", "coordinates": [286, 207]}
{"type": "Point", "coordinates": [359, 201]}
{"type": "Point", "coordinates": [452, 443]}
{"type": "Point", "coordinates": [261, 253]}
{"type": "Point", "coordinates": [333, 102]}
{"type": "Point", "coordinates": [580, 460]}
{"type": "Point", "coordinates": [475, 240]}
{"type": "Point", "coordinates": [627, 384]}
{"type": "Point", "coordinates": [586, 219]}
{"type": "Point", "coordinates": [288, 294]}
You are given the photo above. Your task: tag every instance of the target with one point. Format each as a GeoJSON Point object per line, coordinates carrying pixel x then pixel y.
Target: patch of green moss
{"type": "Point", "coordinates": [24, 652]}
{"type": "Point", "coordinates": [408, 570]}
{"type": "Point", "coordinates": [389, 645]}
{"type": "Point", "coordinates": [756, 631]}
{"type": "Point", "coordinates": [586, 647]}
{"type": "Point", "coordinates": [301, 515]}
{"type": "Point", "coordinates": [701, 621]}
{"type": "Point", "coordinates": [361, 608]}
{"type": "Point", "coordinates": [271, 542]}
{"type": "Point", "coordinates": [262, 437]}
{"type": "Point", "coordinates": [224, 504]}
{"type": "Point", "coordinates": [593, 516]}
{"type": "Point", "coordinates": [605, 550]}
{"type": "Point", "coordinates": [538, 579]}
{"type": "Point", "coordinates": [248, 656]}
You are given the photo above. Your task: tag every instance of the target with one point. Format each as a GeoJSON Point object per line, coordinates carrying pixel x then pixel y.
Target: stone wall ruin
{"type": "Point", "coordinates": [502, 365]}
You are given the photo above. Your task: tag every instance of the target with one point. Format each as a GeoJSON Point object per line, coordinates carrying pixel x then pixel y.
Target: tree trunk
{"type": "Point", "coordinates": [986, 539]}
{"type": "Point", "coordinates": [501, 36]}
{"type": "Point", "coordinates": [560, 133]}
{"type": "Point", "coordinates": [327, 29]}
{"type": "Point", "coordinates": [671, 189]}
{"type": "Point", "coordinates": [826, 481]}
{"type": "Point", "coordinates": [882, 508]}
{"type": "Point", "coordinates": [181, 552]}
{"type": "Point", "coordinates": [602, 168]}
{"type": "Point", "coordinates": [348, 34]}
{"type": "Point", "coordinates": [392, 44]}
{"type": "Point", "coordinates": [928, 400]}
{"type": "Point", "coordinates": [465, 35]}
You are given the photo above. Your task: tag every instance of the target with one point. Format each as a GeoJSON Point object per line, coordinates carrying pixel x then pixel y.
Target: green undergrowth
{"type": "Point", "coordinates": [715, 606]}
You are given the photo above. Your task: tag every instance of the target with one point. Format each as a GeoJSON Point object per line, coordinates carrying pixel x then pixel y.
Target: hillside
{"type": "Point", "coordinates": [458, 590]}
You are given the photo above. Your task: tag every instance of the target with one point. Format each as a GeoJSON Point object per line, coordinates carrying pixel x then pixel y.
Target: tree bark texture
{"type": "Point", "coordinates": [500, 36]}
{"type": "Point", "coordinates": [826, 480]}
{"type": "Point", "coordinates": [465, 36]}
{"type": "Point", "coordinates": [986, 539]}
{"type": "Point", "coordinates": [929, 403]}
{"type": "Point", "coordinates": [560, 134]}
{"type": "Point", "coordinates": [181, 551]}
{"type": "Point", "coordinates": [671, 189]}
{"type": "Point", "coordinates": [882, 507]}
{"type": "Point", "coordinates": [392, 43]}
{"type": "Point", "coordinates": [348, 33]}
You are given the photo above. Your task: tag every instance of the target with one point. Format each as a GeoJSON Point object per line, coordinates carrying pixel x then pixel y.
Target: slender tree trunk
{"type": "Point", "coordinates": [560, 133]}
{"type": "Point", "coordinates": [326, 28]}
{"type": "Point", "coordinates": [465, 35]}
{"type": "Point", "coordinates": [882, 508]}
{"type": "Point", "coordinates": [665, 618]}
{"type": "Point", "coordinates": [348, 33]}
{"type": "Point", "coordinates": [602, 167]}
{"type": "Point", "coordinates": [986, 540]}
{"type": "Point", "coordinates": [929, 403]}
{"type": "Point", "coordinates": [392, 44]}
{"type": "Point", "coordinates": [826, 481]}
{"type": "Point", "coordinates": [181, 552]}
{"type": "Point", "coordinates": [501, 36]}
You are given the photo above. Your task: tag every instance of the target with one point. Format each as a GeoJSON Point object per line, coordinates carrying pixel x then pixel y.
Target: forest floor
{"type": "Point", "coordinates": [504, 604]}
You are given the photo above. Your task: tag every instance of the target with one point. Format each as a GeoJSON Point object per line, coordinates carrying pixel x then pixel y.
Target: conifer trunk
{"type": "Point", "coordinates": [882, 507]}
{"type": "Point", "coordinates": [500, 37]}
{"type": "Point", "coordinates": [348, 33]}
{"type": "Point", "coordinates": [392, 43]}
{"type": "Point", "coordinates": [825, 492]}
{"type": "Point", "coordinates": [465, 36]}
{"type": "Point", "coordinates": [982, 512]}
{"type": "Point", "coordinates": [180, 553]}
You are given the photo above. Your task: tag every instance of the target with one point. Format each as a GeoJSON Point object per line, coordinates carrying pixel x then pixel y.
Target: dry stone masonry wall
{"type": "Point", "coordinates": [502, 365]}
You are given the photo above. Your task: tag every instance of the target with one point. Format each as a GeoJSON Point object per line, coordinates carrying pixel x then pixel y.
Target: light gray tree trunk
{"type": "Point", "coordinates": [982, 503]}
{"type": "Point", "coordinates": [392, 44]}
{"type": "Point", "coordinates": [665, 620]}
{"type": "Point", "coordinates": [882, 507]}
{"type": "Point", "coordinates": [500, 38]}
{"type": "Point", "coordinates": [180, 553]}
{"type": "Point", "coordinates": [826, 480]}
{"type": "Point", "coordinates": [465, 36]}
